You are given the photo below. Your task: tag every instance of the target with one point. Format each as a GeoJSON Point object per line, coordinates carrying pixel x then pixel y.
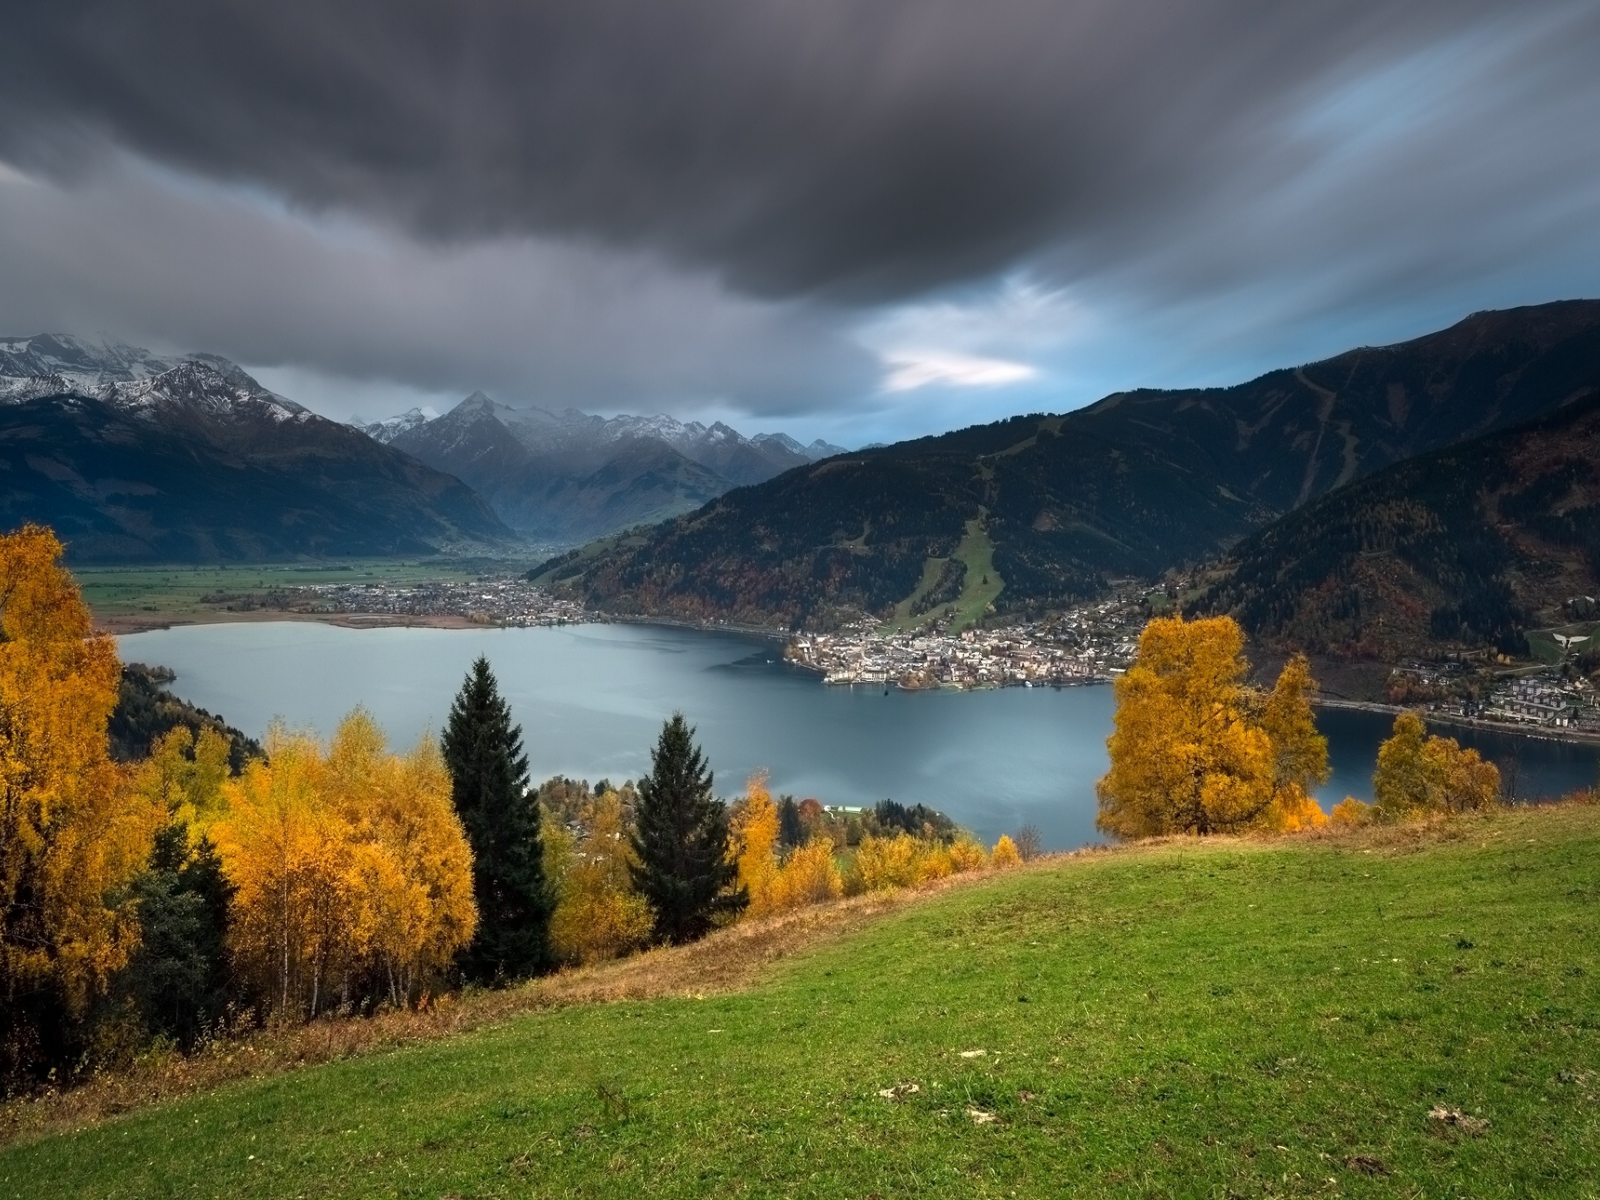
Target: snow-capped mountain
{"type": "Point", "coordinates": [568, 475]}
{"type": "Point", "coordinates": [131, 456]}
{"type": "Point", "coordinates": [817, 451]}
{"type": "Point", "coordinates": [389, 428]}
{"type": "Point", "coordinates": [85, 364]}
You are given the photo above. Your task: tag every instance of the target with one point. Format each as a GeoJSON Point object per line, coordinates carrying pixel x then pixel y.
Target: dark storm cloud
{"type": "Point", "coordinates": [861, 150]}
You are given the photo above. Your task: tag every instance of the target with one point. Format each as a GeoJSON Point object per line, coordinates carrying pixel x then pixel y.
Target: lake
{"type": "Point", "coordinates": [591, 699]}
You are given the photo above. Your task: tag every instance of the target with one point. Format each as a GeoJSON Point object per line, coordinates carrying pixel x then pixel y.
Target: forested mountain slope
{"type": "Point", "coordinates": [1465, 547]}
{"type": "Point", "coordinates": [1133, 485]}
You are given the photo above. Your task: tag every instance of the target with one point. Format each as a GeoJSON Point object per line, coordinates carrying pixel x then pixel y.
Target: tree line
{"type": "Point", "coordinates": [1197, 749]}
{"type": "Point", "coordinates": [211, 884]}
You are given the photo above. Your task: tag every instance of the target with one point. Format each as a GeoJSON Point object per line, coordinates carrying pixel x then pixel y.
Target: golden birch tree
{"type": "Point", "coordinates": [73, 832]}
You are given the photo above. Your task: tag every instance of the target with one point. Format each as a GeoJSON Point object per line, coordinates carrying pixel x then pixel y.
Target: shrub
{"type": "Point", "coordinates": [886, 863]}
{"type": "Point", "coordinates": [1350, 813]}
{"type": "Point", "coordinates": [809, 877]}
{"type": "Point", "coordinates": [1005, 854]}
{"type": "Point", "coordinates": [966, 854]}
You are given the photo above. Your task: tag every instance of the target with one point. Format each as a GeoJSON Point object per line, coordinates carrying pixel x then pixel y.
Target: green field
{"type": "Point", "coordinates": [181, 592]}
{"type": "Point", "coordinates": [981, 585]}
{"type": "Point", "coordinates": [1225, 1019]}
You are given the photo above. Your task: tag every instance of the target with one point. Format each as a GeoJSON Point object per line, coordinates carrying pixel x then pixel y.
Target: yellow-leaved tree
{"type": "Point", "coordinates": [1418, 776]}
{"type": "Point", "coordinates": [353, 876]}
{"type": "Point", "coordinates": [1196, 749]}
{"type": "Point", "coordinates": [599, 915]}
{"type": "Point", "coordinates": [184, 774]}
{"type": "Point", "coordinates": [753, 844]}
{"type": "Point", "coordinates": [73, 832]}
{"type": "Point", "coordinates": [808, 876]}
{"type": "Point", "coordinates": [1005, 853]}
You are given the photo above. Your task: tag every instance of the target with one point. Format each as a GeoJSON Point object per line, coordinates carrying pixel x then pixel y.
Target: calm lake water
{"type": "Point", "coordinates": [591, 700]}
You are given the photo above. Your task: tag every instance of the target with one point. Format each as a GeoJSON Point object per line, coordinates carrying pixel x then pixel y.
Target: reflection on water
{"type": "Point", "coordinates": [591, 700]}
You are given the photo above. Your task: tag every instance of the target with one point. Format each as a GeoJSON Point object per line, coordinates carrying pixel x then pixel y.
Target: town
{"type": "Point", "coordinates": [491, 600]}
{"type": "Point", "coordinates": [1544, 698]}
{"type": "Point", "coordinates": [1087, 644]}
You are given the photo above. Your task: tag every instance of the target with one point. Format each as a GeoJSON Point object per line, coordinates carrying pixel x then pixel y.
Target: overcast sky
{"type": "Point", "coordinates": [860, 220]}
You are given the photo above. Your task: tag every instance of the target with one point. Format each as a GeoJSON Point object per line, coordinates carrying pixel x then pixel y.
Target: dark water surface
{"type": "Point", "coordinates": [591, 700]}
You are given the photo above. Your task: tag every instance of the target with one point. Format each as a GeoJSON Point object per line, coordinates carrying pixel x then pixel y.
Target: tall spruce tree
{"type": "Point", "coordinates": [682, 841]}
{"type": "Point", "coordinates": [489, 786]}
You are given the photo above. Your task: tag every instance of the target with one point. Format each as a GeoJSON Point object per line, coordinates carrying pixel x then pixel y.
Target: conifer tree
{"type": "Point", "coordinates": [791, 832]}
{"type": "Point", "coordinates": [489, 786]}
{"type": "Point", "coordinates": [682, 841]}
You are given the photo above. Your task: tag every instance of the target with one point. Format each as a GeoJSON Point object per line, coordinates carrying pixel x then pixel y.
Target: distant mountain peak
{"type": "Point", "coordinates": [563, 473]}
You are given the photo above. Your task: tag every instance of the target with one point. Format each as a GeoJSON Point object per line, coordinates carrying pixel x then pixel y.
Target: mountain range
{"type": "Point", "coordinates": [1050, 508]}
{"type": "Point", "coordinates": [567, 476]}
{"type": "Point", "coordinates": [134, 457]}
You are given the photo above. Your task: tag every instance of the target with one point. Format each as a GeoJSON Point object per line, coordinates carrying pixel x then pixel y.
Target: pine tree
{"type": "Point", "coordinates": [682, 841]}
{"type": "Point", "coordinates": [489, 786]}
{"type": "Point", "coordinates": [791, 832]}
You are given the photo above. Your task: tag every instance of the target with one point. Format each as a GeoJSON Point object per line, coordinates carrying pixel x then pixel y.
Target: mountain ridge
{"type": "Point", "coordinates": [1465, 549]}
{"type": "Point", "coordinates": [1130, 486]}
{"type": "Point", "coordinates": [131, 457]}
{"type": "Point", "coordinates": [567, 476]}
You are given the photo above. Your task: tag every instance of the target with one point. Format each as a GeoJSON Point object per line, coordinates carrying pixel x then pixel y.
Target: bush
{"type": "Point", "coordinates": [810, 876]}
{"type": "Point", "coordinates": [1005, 854]}
{"type": "Point", "coordinates": [886, 863]}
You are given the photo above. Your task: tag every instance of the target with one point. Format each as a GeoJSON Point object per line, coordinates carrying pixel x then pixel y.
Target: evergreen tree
{"type": "Point", "coordinates": [178, 976]}
{"type": "Point", "coordinates": [790, 831]}
{"type": "Point", "coordinates": [489, 786]}
{"type": "Point", "coordinates": [682, 841]}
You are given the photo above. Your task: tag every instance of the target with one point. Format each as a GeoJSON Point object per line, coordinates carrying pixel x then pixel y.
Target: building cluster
{"type": "Point", "coordinates": [1088, 644]}
{"type": "Point", "coordinates": [1545, 699]}
{"type": "Point", "coordinates": [510, 601]}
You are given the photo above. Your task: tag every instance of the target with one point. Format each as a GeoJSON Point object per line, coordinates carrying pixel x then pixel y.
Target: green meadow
{"type": "Point", "coordinates": [1389, 1013]}
{"type": "Point", "coordinates": [159, 593]}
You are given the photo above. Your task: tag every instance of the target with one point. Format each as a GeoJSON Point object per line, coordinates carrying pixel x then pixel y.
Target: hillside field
{"type": "Point", "coordinates": [1190, 1019]}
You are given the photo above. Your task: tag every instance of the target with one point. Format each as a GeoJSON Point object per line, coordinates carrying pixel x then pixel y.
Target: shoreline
{"type": "Point", "coordinates": [1575, 737]}
{"type": "Point", "coordinates": [119, 626]}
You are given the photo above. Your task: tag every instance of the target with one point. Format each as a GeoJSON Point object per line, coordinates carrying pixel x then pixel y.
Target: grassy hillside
{"type": "Point", "coordinates": [1187, 1019]}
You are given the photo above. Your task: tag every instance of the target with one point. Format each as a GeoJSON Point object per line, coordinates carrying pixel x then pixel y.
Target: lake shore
{"type": "Point", "coordinates": [1577, 737]}
{"type": "Point", "coordinates": [120, 624]}
{"type": "Point", "coordinates": [127, 623]}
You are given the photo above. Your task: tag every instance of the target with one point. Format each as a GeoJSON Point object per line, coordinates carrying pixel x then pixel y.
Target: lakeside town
{"type": "Point", "coordinates": [1546, 698]}
{"type": "Point", "coordinates": [509, 601]}
{"type": "Point", "coordinates": [1087, 644]}
{"type": "Point", "coordinates": [1090, 643]}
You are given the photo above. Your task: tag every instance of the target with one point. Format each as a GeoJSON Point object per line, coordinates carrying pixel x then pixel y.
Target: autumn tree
{"type": "Point", "coordinates": [1005, 854]}
{"type": "Point", "coordinates": [1419, 775]}
{"type": "Point", "coordinates": [682, 841]}
{"type": "Point", "coordinates": [73, 834]}
{"type": "Point", "coordinates": [887, 863]}
{"type": "Point", "coordinates": [1195, 749]}
{"type": "Point", "coordinates": [753, 844]}
{"type": "Point", "coordinates": [810, 875]}
{"type": "Point", "coordinates": [600, 915]}
{"type": "Point", "coordinates": [1299, 754]}
{"type": "Point", "coordinates": [412, 863]}
{"type": "Point", "coordinates": [489, 774]}
{"type": "Point", "coordinates": [353, 875]}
